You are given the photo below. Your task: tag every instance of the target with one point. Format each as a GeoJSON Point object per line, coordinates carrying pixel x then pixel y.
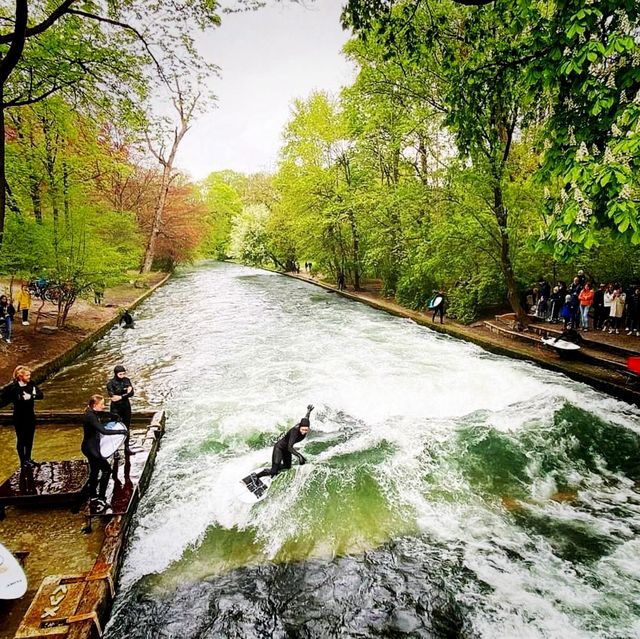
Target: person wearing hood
{"type": "Point", "coordinates": [283, 449]}
{"type": "Point", "coordinates": [120, 390]}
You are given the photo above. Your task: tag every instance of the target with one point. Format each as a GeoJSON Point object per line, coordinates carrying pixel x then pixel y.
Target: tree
{"type": "Point", "coordinates": [579, 66]}
{"type": "Point", "coordinates": [49, 48]}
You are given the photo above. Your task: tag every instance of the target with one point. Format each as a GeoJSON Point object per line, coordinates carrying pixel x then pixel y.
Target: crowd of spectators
{"type": "Point", "coordinates": [584, 305]}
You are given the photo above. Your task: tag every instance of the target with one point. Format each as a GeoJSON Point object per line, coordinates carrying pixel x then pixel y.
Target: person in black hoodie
{"type": "Point", "coordinates": [283, 449]}
{"type": "Point", "coordinates": [120, 389]}
{"type": "Point", "coordinates": [92, 426]}
{"type": "Point", "coordinates": [22, 393]}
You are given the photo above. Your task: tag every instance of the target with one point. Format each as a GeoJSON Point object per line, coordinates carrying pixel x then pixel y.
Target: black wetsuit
{"type": "Point", "coordinates": [282, 452]}
{"type": "Point", "coordinates": [117, 386]}
{"type": "Point", "coordinates": [24, 416]}
{"type": "Point", "coordinates": [92, 425]}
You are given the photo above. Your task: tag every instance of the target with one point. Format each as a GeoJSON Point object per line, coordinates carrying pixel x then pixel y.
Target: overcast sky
{"type": "Point", "coordinates": [268, 58]}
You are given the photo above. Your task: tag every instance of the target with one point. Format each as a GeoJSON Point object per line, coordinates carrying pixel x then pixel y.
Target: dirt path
{"type": "Point", "coordinates": [33, 348]}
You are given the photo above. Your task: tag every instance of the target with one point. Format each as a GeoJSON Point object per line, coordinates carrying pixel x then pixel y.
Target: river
{"type": "Point", "coordinates": [449, 492]}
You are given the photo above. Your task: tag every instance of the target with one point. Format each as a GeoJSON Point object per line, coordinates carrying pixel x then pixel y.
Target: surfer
{"type": "Point", "coordinates": [437, 306]}
{"type": "Point", "coordinates": [23, 393]}
{"type": "Point", "coordinates": [126, 321]}
{"type": "Point", "coordinates": [570, 335]}
{"type": "Point", "coordinates": [92, 426]}
{"type": "Point", "coordinates": [283, 449]}
{"type": "Point", "coordinates": [120, 389]}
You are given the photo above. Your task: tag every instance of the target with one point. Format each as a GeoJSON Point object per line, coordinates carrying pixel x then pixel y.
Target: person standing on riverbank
{"type": "Point", "coordinates": [120, 390]}
{"type": "Point", "coordinates": [99, 467]}
{"type": "Point", "coordinates": [23, 303]}
{"type": "Point", "coordinates": [438, 309]}
{"type": "Point", "coordinates": [7, 311]}
{"type": "Point", "coordinates": [586, 300]}
{"type": "Point", "coordinates": [22, 393]}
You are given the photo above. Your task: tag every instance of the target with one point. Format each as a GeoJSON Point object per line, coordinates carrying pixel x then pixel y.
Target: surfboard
{"type": "Point", "coordinates": [435, 301]}
{"type": "Point", "coordinates": [13, 581]}
{"type": "Point", "coordinates": [110, 443]}
{"type": "Point", "coordinates": [560, 344]}
{"type": "Point", "coordinates": [253, 489]}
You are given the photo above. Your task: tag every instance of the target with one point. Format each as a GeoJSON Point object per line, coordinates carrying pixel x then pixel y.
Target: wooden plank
{"type": "Point", "coordinates": [51, 482]}
{"type": "Point", "coordinates": [57, 599]}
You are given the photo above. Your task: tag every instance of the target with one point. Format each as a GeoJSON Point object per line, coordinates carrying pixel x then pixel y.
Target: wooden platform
{"type": "Point", "coordinates": [49, 483]}
{"type": "Point", "coordinates": [76, 606]}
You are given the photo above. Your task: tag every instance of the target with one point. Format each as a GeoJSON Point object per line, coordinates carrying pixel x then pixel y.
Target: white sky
{"type": "Point", "coordinates": [267, 58]}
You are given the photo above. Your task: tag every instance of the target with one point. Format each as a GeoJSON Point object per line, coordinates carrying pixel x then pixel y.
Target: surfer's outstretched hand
{"type": "Point", "coordinates": [309, 409]}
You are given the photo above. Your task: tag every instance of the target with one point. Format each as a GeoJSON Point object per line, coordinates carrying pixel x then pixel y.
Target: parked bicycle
{"type": "Point", "coordinates": [45, 290]}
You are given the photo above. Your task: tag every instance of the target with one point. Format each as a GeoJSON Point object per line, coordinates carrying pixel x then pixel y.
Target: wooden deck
{"type": "Point", "coordinates": [77, 605]}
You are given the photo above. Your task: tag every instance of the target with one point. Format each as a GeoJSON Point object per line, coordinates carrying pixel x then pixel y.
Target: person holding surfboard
{"type": "Point", "coordinates": [22, 393]}
{"type": "Point", "coordinates": [283, 448]}
{"type": "Point", "coordinates": [436, 304]}
{"type": "Point", "coordinates": [120, 389]}
{"type": "Point", "coordinates": [92, 426]}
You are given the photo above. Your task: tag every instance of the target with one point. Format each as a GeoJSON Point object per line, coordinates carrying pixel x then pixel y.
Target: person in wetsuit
{"type": "Point", "coordinates": [99, 467]}
{"type": "Point", "coordinates": [284, 448]}
{"type": "Point", "coordinates": [120, 389]}
{"type": "Point", "coordinates": [126, 321]}
{"type": "Point", "coordinates": [570, 334]}
{"type": "Point", "coordinates": [22, 393]}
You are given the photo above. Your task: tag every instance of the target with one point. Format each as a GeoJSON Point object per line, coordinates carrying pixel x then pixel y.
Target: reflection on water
{"type": "Point", "coordinates": [449, 492]}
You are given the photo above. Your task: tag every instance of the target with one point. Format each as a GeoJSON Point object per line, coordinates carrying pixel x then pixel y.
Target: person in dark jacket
{"type": "Point", "coordinates": [126, 321]}
{"type": "Point", "coordinates": [7, 312]}
{"type": "Point", "coordinates": [283, 449]}
{"type": "Point", "coordinates": [598, 307]}
{"type": "Point", "coordinates": [99, 467]}
{"type": "Point", "coordinates": [22, 393]}
{"type": "Point", "coordinates": [120, 390]}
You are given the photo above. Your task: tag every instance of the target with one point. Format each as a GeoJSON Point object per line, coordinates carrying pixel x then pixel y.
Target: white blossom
{"type": "Point", "coordinates": [625, 192]}
{"type": "Point", "coordinates": [615, 130]}
{"type": "Point", "coordinates": [608, 156]}
{"type": "Point", "coordinates": [582, 153]}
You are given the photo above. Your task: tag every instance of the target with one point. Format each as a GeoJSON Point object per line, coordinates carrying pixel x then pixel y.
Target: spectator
{"type": "Point", "coordinates": [586, 300]}
{"type": "Point", "coordinates": [341, 281]}
{"type": "Point", "coordinates": [608, 296]}
{"type": "Point", "coordinates": [568, 312]}
{"type": "Point", "coordinates": [555, 304]}
{"type": "Point", "coordinates": [598, 307]}
{"type": "Point", "coordinates": [7, 312]}
{"type": "Point", "coordinates": [98, 292]}
{"type": "Point", "coordinates": [633, 309]}
{"type": "Point", "coordinates": [617, 308]}
{"type": "Point", "coordinates": [542, 308]}
{"type": "Point", "coordinates": [23, 302]}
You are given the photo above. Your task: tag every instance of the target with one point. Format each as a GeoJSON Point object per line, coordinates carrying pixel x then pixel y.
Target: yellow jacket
{"type": "Point", "coordinates": [23, 300]}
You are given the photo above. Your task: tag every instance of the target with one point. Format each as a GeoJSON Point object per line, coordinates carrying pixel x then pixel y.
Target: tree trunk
{"type": "Point", "coordinates": [150, 250]}
{"type": "Point", "coordinates": [505, 257]}
{"type": "Point", "coordinates": [7, 65]}
{"type": "Point", "coordinates": [355, 246]}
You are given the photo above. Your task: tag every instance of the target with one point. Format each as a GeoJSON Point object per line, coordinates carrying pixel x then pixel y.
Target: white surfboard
{"type": "Point", "coordinates": [110, 443]}
{"type": "Point", "coordinates": [252, 491]}
{"type": "Point", "coordinates": [435, 302]}
{"type": "Point", "coordinates": [560, 344]}
{"type": "Point", "coordinates": [13, 581]}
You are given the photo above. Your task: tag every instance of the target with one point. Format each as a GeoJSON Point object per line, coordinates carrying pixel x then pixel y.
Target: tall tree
{"type": "Point", "coordinates": [71, 44]}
